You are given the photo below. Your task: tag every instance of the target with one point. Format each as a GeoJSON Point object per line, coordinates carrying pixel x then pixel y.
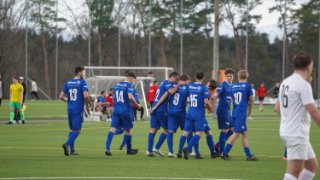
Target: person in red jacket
{"type": "Point", "coordinates": [110, 104]}
{"type": "Point", "coordinates": [261, 93]}
{"type": "Point", "coordinates": [152, 90]}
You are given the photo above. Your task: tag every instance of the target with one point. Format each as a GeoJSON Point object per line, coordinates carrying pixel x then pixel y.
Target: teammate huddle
{"type": "Point", "coordinates": [169, 112]}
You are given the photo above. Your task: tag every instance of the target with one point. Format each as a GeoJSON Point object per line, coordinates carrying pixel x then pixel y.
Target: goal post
{"type": "Point", "coordinates": [96, 84]}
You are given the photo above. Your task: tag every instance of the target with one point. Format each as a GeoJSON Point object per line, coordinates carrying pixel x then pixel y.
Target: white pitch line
{"type": "Point", "coordinates": [110, 177]}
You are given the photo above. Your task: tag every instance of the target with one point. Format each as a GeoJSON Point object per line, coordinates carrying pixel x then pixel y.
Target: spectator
{"type": "Point", "coordinates": [276, 93]}
{"type": "Point", "coordinates": [1, 93]}
{"type": "Point", "coordinates": [254, 96]}
{"type": "Point", "coordinates": [101, 105]}
{"type": "Point", "coordinates": [150, 74]}
{"type": "Point", "coordinates": [151, 95]}
{"type": "Point", "coordinates": [34, 90]}
{"type": "Point", "coordinates": [110, 103]}
{"type": "Point", "coordinates": [261, 93]}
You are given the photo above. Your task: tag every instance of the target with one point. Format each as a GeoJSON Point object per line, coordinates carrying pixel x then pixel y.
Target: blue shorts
{"type": "Point", "coordinates": [240, 124]}
{"type": "Point", "coordinates": [159, 119]}
{"type": "Point", "coordinates": [122, 121]}
{"type": "Point", "coordinates": [198, 124]}
{"type": "Point", "coordinates": [207, 126]}
{"type": "Point", "coordinates": [224, 119]}
{"type": "Point", "coordinates": [75, 120]}
{"type": "Point", "coordinates": [176, 120]}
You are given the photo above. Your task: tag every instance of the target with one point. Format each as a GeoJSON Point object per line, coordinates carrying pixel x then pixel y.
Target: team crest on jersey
{"type": "Point", "coordinates": [78, 82]}
{"type": "Point", "coordinates": [199, 88]}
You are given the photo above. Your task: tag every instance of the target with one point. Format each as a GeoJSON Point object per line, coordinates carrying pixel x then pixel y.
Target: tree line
{"type": "Point", "coordinates": [140, 22]}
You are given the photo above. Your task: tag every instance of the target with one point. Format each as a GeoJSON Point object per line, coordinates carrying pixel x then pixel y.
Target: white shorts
{"type": "Point", "coordinates": [298, 148]}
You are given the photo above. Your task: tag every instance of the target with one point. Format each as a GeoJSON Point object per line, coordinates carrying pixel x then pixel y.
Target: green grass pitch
{"type": "Point", "coordinates": [34, 150]}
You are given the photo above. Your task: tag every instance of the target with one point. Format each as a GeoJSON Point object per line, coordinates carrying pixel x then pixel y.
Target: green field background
{"type": "Point", "coordinates": [34, 149]}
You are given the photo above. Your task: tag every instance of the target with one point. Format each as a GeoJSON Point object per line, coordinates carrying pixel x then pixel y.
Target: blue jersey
{"type": "Point", "coordinates": [224, 94]}
{"type": "Point", "coordinates": [102, 99]}
{"type": "Point", "coordinates": [122, 103]}
{"type": "Point", "coordinates": [197, 94]}
{"type": "Point", "coordinates": [136, 95]}
{"type": "Point", "coordinates": [240, 95]}
{"type": "Point", "coordinates": [75, 88]}
{"type": "Point", "coordinates": [163, 88]}
{"type": "Point", "coordinates": [178, 100]}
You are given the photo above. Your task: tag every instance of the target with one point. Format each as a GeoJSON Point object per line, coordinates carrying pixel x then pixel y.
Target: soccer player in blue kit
{"type": "Point", "coordinates": [176, 111]}
{"type": "Point", "coordinates": [159, 113]}
{"type": "Point", "coordinates": [223, 110]}
{"type": "Point", "coordinates": [76, 90]}
{"type": "Point", "coordinates": [242, 99]}
{"type": "Point", "coordinates": [196, 118]}
{"type": "Point", "coordinates": [122, 116]}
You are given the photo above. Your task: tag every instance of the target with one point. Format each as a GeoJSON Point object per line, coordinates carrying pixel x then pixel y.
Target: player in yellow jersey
{"type": "Point", "coordinates": [16, 98]}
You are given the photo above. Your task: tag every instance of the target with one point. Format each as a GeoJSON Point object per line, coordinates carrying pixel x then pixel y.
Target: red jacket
{"type": "Point", "coordinates": [109, 100]}
{"type": "Point", "coordinates": [151, 95]}
{"type": "Point", "coordinates": [262, 92]}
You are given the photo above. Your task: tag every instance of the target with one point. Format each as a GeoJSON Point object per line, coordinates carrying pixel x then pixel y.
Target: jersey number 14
{"type": "Point", "coordinates": [119, 96]}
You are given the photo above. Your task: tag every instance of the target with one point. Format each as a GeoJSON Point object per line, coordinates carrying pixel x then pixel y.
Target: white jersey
{"type": "Point", "coordinates": [294, 93]}
{"type": "Point", "coordinates": [34, 87]}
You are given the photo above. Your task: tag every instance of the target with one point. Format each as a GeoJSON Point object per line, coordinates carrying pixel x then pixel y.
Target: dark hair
{"type": "Point", "coordinates": [229, 71]}
{"type": "Point", "coordinates": [200, 75]}
{"type": "Point", "coordinates": [102, 92]}
{"type": "Point", "coordinates": [78, 69]}
{"type": "Point", "coordinates": [302, 60]}
{"type": "Point", "coordinates": [111, 89]}
{"type": "Point", "coordinates": [175, 74]}
{"type": "Point", "coordinates": [126, 72]}
{"type": "Point", "coordinates": [213, 84]}
{"type": "Point", "coordinates": [131, 74]}
{"type": "Point", "coordinates": [185, 77]}
{"type": "Point", "coordinates": [15, 77]}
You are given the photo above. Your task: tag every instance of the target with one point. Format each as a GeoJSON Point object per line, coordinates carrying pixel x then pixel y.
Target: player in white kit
{"type": "Point", "coordinates": [295, 106]}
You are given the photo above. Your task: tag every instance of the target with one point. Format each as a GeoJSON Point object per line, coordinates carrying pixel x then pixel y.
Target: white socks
{"type": "Point", "coordinates": [306, 175]}
{"type": "Point", "coordinates": [288, 176]}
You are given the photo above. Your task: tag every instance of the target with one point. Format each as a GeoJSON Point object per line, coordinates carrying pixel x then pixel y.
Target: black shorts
{"type": "Point", "coordinates": [261, 98]}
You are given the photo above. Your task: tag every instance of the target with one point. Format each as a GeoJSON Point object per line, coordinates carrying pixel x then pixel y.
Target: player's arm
{"type": "Point", "coordinates": [161, 100]}
{"type": "Point", "coordinates": [87, 99]}
{"type": "Point", "coordinates": [62, 97]}
{"type": "Point", "coordinates": [207, 104]}
{"type": "Point", "coordinates": [133, 100]}
{"type": "Point", "coordinates": [314, 113]}
{"type": "Point", "coordinates": [250, 105]}
{"type": "Point", "coordinates": [175, 89]}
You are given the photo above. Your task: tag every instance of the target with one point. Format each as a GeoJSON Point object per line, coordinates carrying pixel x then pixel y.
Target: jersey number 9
{"type": "Point", "coordinates": [176, 99]}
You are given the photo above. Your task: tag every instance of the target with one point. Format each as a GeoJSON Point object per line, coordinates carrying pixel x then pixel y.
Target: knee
{"type": "Point", "coordinates": [153, 131]}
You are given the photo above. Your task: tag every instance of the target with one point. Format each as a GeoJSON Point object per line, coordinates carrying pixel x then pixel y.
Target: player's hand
{"type": "Point", "coordinates": [152, 110]}
{"type": "Point", "coordinates": [182, 82]}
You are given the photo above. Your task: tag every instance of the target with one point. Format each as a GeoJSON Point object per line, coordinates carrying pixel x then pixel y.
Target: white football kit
{"type": "Point", "coordinates": [295, 92]}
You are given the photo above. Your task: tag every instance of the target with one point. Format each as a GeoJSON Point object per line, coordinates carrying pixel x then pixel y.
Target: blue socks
{"type": "Point", "coordinates": [227, 149]}
{"type": "Point", "coordinates": [196, 149]}
{"type": "Point", "coordinates": [109, 140]}
{"type": "Point", "coordinates": [193, 142]}
{"type": "Point", "coordinates": [150, 142]}
{"type": "Point", "coordinates": [162, 137]}
{"type": "Point", "coordinates": [229, 133]}
{"type": "Point", "coordinates": [210, 144]}
{"type": "Point", "coordinates": [247, 151]}
{"type": "Point", "coordinates": [71, 138]}
{"type": "Point", "coordinates": [222, 140]}
{"type": "Point", "coordinates": [170, 142]}
{"type": "Point", "coordinates": [128, 139]}
{"type": "Point", "coordinates": [182, 142]}
{"type": "Point", "coordinates": [124, 141]}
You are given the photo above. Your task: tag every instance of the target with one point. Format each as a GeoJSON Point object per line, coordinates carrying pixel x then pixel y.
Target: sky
{"type": "Point", "coordinates": [268, 23]}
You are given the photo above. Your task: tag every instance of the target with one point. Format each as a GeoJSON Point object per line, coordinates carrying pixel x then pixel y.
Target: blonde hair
{"type": "Point", "coordinates": [243, 74]}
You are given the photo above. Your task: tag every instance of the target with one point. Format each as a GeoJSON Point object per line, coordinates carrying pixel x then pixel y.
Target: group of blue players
{"type": "Point", "coordinates": [169, 112]}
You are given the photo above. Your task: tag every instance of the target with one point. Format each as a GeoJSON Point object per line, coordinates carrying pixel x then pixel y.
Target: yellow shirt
{"type": "Point", "coordinates": [16, 91]}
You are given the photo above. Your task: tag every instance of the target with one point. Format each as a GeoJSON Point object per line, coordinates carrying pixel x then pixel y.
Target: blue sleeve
{"type": "Point", "coordinates": [220, 89]}
{"type": "Point", "coordinates": [130, 89]}
{"type": "Point", "coordinates": [168, 86]}
{"type": "Point", "coordinates": [65, 88]}
{"type": "Point", "coordinates": [250, 93]}
{"type": "Point", "coordinates": [206, 93]}
{"type": "Point", "coordinates": [85, 87]}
